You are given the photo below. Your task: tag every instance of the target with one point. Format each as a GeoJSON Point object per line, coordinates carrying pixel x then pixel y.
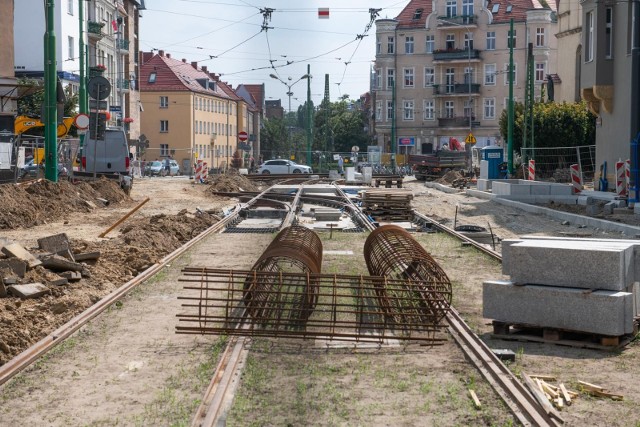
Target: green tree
{"type": "Point", "coordinates": [31, 103]}
{"type": "Point", "coordinates": [345, 128]}
{"type": "Point", "coordinates": [555, 125]}
{"type": "Point", "coordinates": [273, 138]}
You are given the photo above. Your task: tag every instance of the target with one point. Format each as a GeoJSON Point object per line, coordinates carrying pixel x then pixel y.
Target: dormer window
{"type": "Point", "coordinates": [417, 14]}
{"type": "Point", "coordinates": [509, 8]}
{"type": "Point", "coordinates": [495, 8]}
{"type": "Point", "coordinates": [152, 77]}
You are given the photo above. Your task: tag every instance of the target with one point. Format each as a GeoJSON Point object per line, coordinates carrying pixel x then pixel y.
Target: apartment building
{"type": "Point", "coordinates": [607, 76]}
{"type": "Point", "coordinates": [450, 62]}
{"type": "Point", "coordinates": [187, 114]}
{"type": "Point", "coordinates": [254, 97]}
{"type": "Point", "coordinates": [569, 37]}
{"type": "Point", "coordinates": [8, 89]}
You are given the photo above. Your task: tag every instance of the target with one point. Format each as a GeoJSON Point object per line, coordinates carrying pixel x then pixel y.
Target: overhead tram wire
{"type": "Point", "coordinates": [373, 14]}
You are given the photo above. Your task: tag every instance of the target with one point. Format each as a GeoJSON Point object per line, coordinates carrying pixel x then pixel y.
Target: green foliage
{"type": "Point", "coordinates": [343, 130]}
{"type": "Point", "coordinates": [273, 137]}
{"type": "Point", "coordinates": [31, 104]}
{"type": "Point", "coordinates": [555, 125]}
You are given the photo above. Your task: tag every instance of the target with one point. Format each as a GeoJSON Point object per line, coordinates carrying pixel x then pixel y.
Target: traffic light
{"type": "Point", "coordinates": [97, 125]}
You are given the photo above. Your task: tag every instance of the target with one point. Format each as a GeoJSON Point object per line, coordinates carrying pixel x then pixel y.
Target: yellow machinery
{"type": "Point", "coordinates": [24, 123]}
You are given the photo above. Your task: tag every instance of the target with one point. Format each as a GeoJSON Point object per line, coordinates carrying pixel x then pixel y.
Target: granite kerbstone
{"type": "Point", "coordinates": [581, 264]}
{"type": "Point", "coordinates": [598, 312]}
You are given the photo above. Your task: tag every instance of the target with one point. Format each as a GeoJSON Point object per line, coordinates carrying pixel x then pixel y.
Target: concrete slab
{"type": "Point", "coordinates": [570, 263]}
{"type": "Point", "coordinates": [600, 312]}
{"type": "Point", "coordinates": [58, 263]}
{"type": "Point", "coordinates": [16, 250]}
{"type": "Point", "coordinates": [71, 276]}
{"type": "Point", "coordinates": [16, 265]}
{"type": "Point", "coordinates": [30, 290]}
{"type": "Point", "coordinates": [56, 244]}
{"type": "Point", "coordinates": [483, 184]}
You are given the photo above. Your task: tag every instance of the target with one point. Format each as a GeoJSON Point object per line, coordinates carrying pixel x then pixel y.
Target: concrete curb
{"type": "Point", "coordinates": [443, 188]}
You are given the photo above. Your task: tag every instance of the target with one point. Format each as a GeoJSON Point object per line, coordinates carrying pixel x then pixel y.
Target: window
{"type": "Point", "coordinates": [491, 40]}
{"type": "Point", "coordinates": [468, 40]}
{"type": "Point", "coordinates": [509, 38]}
{"type": "Point", "coordinates": [495, 8]}
{"type": "Point", "coordinates": [408, 44]}
{"type": "Point", "coordinates": [540, 32]}
{"type": "Point", "coordinates": [429, 76]}
{"type": "Point", "coordinates": [70, 7]}
{"type": "Point", "coordinates": [391, 77]}
{"type": "Point", "coordinates": [378, 46]}
{"type": "Point", "coordinates": [378, 111]}
{"type": "Point", "coordinates": [468, 108]}
{"type": "Point", "coordinates": [164, 102]}
{"type": "Point", "coordinates": [489, 108]}
{"type": "Point", "coordinates": [378, 78]}
{"type": "Point", "coordinates": [429, 109]}
{"type": "Point", "coordinates": [164, 150]}
{"type": "Point", "coordinates": [408, 77]}
{"type": "Point", "coordinates": [509, 8]}
{"type": "Point", "coordinates": [390, 44]}
{"type": "Point", "coordinates": [417, 14]}
{"type": "Point", "coordinates": [489, 74]}
{"type": "Point", "coordinates": [452, 8]}
{"type": "Point", "coordinates": [408, 110]}
{"type": "Point", "coordinates": [608, 33]}
{"type": "Point", "coordinates": [389, 110]}
{"type": "Point", "coordinates": [540, 72]}
{"type": "Point", "coordinates": [152, 77]}
{"type": "Point", "coordinates": [164, 125]}
{"type": "Point", "coordinates": [430, 43]}
{"type": "Point", "coordinates": [468, 75]}
{"type": "Point", "coordinates": [449, 112]}
{"type": "Point", "coordinates": [451, 41]}
{"type": "Point", "coordinates": [450, 80]}
{"type": "Point", "coordinates": [506, 73]}
{"type": "Point", "coordinates": [71, 48]}
{"type": "Point", "coordinates": [467, 10]}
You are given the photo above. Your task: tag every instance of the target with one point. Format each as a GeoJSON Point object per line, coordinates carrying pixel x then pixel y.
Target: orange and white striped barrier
{"type": "Point", "coordinates": [576, 179]}
{"type": "Point", "coordinates": [621, 181]}
{"type": "Point", "coordinates": [205, 171]}
{"type": "Point", "coordinates": [627, 174]}
{"type": "Point", "coordinates": [198, 171]}
{"type": "Point", "coordinates": [532, 170]}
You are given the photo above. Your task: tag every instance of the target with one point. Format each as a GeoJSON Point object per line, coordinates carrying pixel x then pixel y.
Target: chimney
{"type": "Point", "coordinates": [161, 52]}
{"type": "Point", "coordinates": [184, 60]}
{"type": "Point", "coordinates": [194, 64]}
{"type": "Point", "coordinates": [169, 55]}
{"type": "Point", "coordinates": [204, 68]}
{"type": "Point", "coordinates": [145, 57]}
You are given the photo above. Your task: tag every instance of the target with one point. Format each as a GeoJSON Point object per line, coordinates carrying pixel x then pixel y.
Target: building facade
{"type": "Point", "coordinates": [8, 89]}
{"type": "Point", "coordinates": [569, 37]}
{"type": "Point", "coordinates": [441, 70]}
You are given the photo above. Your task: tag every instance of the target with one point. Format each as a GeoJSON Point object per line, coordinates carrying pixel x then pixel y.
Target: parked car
{"type": "Point", "coordinates": [31, 168]}
{"type": "Point", "coordinates": [283, 166]}
{"type": "Point", "coordinates": [156, 168]}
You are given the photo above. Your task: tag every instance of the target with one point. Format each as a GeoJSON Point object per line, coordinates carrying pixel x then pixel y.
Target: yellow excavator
{"type": "Point", "coordinates": [24, 123]}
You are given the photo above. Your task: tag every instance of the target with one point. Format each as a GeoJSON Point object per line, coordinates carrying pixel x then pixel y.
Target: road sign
{"type": "Point", "coordinates": [81, 121]}
{"type": "Point", "coordinates": [355, 149]}
{"type": "Point", "coordinates": [245, 147]}
{"type": "Point", "coordinates": [115, 108]}
{"type": "Point", "coordinates": [97, 105]}
{"type": "Point", "coordinates": [470, 139]}
{"type": "Point", "coordinates": [243, 136]}
{"type": "Point", "coordinates": [99, 87]}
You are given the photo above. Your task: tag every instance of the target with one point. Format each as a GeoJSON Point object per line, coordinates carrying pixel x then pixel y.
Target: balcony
{"type": "Point", "coordinates": [455, 122]}
{"type": "Point", "coordinates": [455, 54]}
{"type": "Point", "coordinates": [456, 89]}
{"type": "Point", "coordinates": [94, 30]}
{"type": "Point", "coordinates": [457, 21]}
{"type": "Point", "coordinates": [123, 45]}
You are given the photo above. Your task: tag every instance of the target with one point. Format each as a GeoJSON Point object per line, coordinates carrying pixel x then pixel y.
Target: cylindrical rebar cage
{"type": "Point", "coordinates": [295, 249]}
{"type": "Point", "coordinates": [392, 252]}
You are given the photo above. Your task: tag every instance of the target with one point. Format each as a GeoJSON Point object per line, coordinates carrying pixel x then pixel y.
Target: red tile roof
{"type": "Point", "coordinates": [406, 17]}
{"type": "Point", "coordinates": [257, 92]}
{"type": "Point", "coordinates": [174, 75]}
{"type": "Point", "coordinates": [519, 9]}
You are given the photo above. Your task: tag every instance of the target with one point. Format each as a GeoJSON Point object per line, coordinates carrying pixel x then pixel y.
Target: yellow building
{"type": "Point", "coordinates": [188, 114]}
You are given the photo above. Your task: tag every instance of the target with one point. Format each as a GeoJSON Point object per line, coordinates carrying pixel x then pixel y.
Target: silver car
{"type": "Point", "coordinates": [283, 166]}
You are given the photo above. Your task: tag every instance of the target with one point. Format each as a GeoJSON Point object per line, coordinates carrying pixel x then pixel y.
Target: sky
{"type": "Point", "coordinates": [228, 37]}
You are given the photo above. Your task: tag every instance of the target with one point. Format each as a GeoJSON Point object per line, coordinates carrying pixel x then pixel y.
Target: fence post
{"type": "Point", "coordinates": [579, 159]}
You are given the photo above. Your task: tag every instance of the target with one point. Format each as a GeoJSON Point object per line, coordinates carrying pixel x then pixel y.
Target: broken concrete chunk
{"type": "Point", "coordinates": [72, 276]}
{"type": "Point", "coordinates": [3, 290]}
{"type": "Point", "coordinates": [16, 250]}
{"type": "Point", "coordinates": [87, 256]}
{"type": "Point", "coordinates": [59, 281]}
{"type": "Point", "coordinates": [9, 281]}
{"type": "Point", "coordinates": [58, 263]}
{"type": "Point", "coordinates": [18, 267]}
{"type": "Point", "coordinates": [85, 273]}
{"type": "Point", "coordinates": [30, 290]}
{"type": "Point", "coordinates": [56, 244]}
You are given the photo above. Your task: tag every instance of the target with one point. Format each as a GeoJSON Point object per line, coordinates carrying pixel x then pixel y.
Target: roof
{"type": "Point", "coordinates": [415, 14]}
{"type": "Point", "coordinates": [257, 92]}
{"type": "Point", "coordinates": [226, 87]}
{"type": "Point", "coordinates": [516, 9]}
{"type": "Point", "coordinates": [173, 75]}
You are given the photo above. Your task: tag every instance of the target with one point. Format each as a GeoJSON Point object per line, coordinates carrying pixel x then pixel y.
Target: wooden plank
{"type": "Point", "coordinates": [544, 377]}
{"type": "Point", "coordinates": [559, 403]}
{"type": "Point", "coordinates": [476, 401]}
{"type": "Point", "coordinates": [611, 396]}
{"type": "Point", "coordinates": [565, 394]}
{"type": "Point", "coordinates": [549, 390]}
{"type": "Point", "coordinates": [539, 396]}
{"type": "Point", "coordinates": [121, 220]}
{"type": "Point", "coordinates": [589, 386]}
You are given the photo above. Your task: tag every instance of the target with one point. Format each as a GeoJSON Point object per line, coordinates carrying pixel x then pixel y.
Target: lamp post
{"type": "Point", "coordinates": [289, 92]}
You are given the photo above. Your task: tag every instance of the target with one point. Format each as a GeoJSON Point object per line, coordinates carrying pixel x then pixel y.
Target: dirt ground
{"type": "Point", "coordinates": [129, 368]}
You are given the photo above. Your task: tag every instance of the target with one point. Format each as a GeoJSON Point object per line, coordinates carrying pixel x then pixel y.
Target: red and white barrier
{"type": "Point", "coordinates": [205, 171]}
{"type": "Point", "coordinates": [576, 179]}
{"type": "Point", "coordinates": [532, 170]}
{"type": "Point", "coordinates": [627, 175]}
{"type": "Point", "coordinates": [621, 183]}
{"type": "Point", "coordinates": [198, 171]}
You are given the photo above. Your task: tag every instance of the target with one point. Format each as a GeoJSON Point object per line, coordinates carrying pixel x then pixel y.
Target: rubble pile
{"type": "Point", "coordinates": [449, 177]}
{"type": "Point", "coordinates": [230, 182]}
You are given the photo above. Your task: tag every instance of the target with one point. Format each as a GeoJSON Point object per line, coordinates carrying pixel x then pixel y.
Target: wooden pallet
{"type": "Point", "coordinates": [387, 182]}
{"type": "Point", "coordinates": [529, 333]}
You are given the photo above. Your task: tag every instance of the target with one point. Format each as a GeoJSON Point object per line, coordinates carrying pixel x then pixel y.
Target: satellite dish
{"type": "Point", "coordinates": [99, 87]}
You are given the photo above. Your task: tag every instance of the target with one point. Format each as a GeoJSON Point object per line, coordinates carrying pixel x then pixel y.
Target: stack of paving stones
{"type": "Point", "coordinates": [387, 204]}
{"type": "Point", "coordinates": [582, 285]}
{"type": "Point", "coordinates": [53, 254]}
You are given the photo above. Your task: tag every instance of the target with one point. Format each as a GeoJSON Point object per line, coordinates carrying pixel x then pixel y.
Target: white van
{"type": "Point", "coordinates": [108, 156]}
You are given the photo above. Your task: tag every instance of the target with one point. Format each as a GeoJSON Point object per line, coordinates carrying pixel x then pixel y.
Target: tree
{"type": "Point", "coordinates": [555, 125]}
{"type": "Point", "coordinates": [31, 104]}
{"type": "Point", "coordinates": [345, 128]}
{"type": "Point", "coordinates": [273, 138]}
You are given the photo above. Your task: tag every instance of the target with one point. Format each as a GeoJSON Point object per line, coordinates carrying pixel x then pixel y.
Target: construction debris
{"type": "Point", "coordinates": [30, 290]}
{"type": "Point", "coordinates": [16, 250]}
{"type": "Point", "coordinates": [387, 204]}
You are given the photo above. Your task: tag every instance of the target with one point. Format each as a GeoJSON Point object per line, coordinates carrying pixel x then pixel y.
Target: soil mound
{"type": "Point", "coordinates": [230, 182]}
{"type": "Point", "coordinates": [35, 204]}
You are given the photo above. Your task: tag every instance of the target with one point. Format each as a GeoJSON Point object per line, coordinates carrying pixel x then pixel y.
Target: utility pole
{"type": "Point", "coordinates": [510, 111]}
{"type": "Point", "coordinates": [309, 115]}
{"type": "Point", "coordinates": [327, 115]}
{"type": "Point", "coordinates": [635, 99]}
{"type": "Point", "coordinates": [83, 80]}
{"type": "Point", "coordinates": [528, 104]}
{"type": "Point", "coordinates": [50, 96]}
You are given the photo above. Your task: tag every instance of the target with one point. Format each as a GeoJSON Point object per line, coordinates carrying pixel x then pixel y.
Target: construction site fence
{"type": "Point", "coordinates": [554, 164]}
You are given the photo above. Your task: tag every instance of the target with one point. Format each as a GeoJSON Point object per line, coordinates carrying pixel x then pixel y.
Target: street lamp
{"type": "Point", "coordinates": [288, 85]}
